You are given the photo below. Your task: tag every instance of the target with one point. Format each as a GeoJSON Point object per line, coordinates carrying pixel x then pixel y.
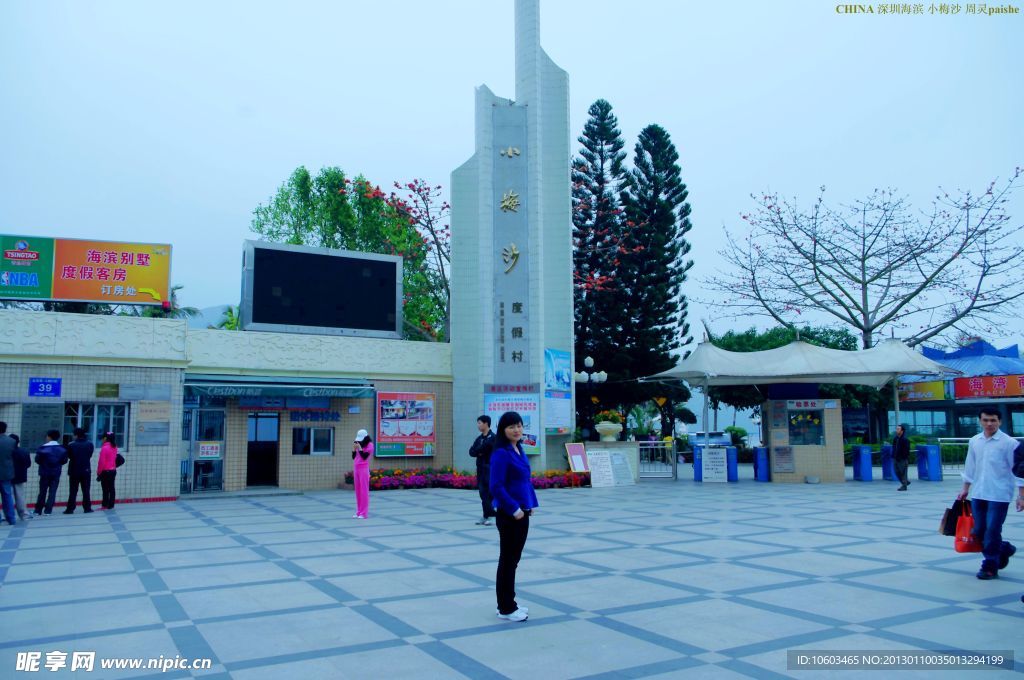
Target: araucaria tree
{"type": "Point", "coordinates": [653, 268]}
{"type": "Point", "coordinates": [598, 176]}
{"type": "Point", "coordinates": [877, 264]}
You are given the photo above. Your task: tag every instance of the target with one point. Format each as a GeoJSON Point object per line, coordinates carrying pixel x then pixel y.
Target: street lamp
{"type": "Point", "coordinates": [588, 379]}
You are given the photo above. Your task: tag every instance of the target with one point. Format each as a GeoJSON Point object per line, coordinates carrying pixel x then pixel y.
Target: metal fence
{"type": "Point", "coordinates": [953, 450]}
{"type": "Point", "coordinates": [658, 460]}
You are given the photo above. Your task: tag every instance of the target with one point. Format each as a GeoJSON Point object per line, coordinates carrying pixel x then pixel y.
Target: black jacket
{"type": "Point", "coordinates": [80, 455]}
{"type": "Point", "coordinates": [482, 448]}
{"type": "Point", "coordinates": [22, 462]}
{"type": "Point", "coordinates": [50, 458]}
{"type": "Point", "coordinates": [6, 458]}
{"type": "Point", "coordinates": [901, 448]}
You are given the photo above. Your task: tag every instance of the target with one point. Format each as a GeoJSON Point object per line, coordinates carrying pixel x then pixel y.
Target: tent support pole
{"type": "Point", "coordinates": [896, 404]}
{"type": "Point", "coordinates": [707, 434]}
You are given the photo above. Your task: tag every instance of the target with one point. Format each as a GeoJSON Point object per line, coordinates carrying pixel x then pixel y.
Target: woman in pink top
{"type": "Point", "coordinates": [362, 452]}
{"type": "Point", "coordinates": [106, 469]}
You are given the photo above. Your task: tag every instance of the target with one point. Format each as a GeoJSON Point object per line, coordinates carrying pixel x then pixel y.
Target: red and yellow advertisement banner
{"type": "Point", "coordinates": [405, 424]}
{"type": "Point", "coordinates": [71, 270]}
{"type": "Point", "coordinates": [989, 386]}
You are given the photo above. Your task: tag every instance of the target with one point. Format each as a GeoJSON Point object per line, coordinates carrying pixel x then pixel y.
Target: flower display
{"type": "Point", "coordinates": [608, 417]}
{"type": "Point", "coordinates": [449, 478]}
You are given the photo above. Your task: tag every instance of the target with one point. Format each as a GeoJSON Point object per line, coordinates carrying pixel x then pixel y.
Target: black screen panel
{"type": "Point", "coordinates": [325, 291]}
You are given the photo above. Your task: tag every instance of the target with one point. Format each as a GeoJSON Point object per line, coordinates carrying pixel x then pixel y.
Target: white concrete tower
{"type": "Point", "coordinates": [512, 255]}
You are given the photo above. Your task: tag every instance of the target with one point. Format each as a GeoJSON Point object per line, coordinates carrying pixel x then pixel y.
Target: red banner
{"type": "Point", "coordinates": [989, 386]}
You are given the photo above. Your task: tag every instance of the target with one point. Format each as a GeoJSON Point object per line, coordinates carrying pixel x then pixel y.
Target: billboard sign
{"type": "Point", "coordinates": [71, 270]}
{"type": "Point", "coordinates": [989, 386]}
{"type": "Point", "coordinates": [405, 424]}
{"type": "Point", "coordinates": [931, 390]}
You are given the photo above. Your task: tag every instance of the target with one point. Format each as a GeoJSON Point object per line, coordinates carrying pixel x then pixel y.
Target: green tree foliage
{"type": "Point", "coordinates": [653, 268]}
{"type": "Point", "coordinates": [598, 176]}
{"type": "Point", "coordinates": [229, 320]}
{"type": "Point", "coordinates": [333, 211]}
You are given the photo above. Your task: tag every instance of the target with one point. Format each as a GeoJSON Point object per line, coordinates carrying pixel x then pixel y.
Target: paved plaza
{"type": "Point", "coordinates": [660, 580]}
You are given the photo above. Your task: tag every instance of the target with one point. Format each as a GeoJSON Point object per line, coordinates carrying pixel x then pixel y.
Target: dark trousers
{"type": "Point", "coordinates": [900, 468]}
{"type": "Point", "coordinates": [512, 534]}
{"type": "Point", "coordinates": [47, 493]}
{"type": "Point", "coordinates": [107, 483]}
{"type": "Point", "coordinates": [988, 525]}
{"type": "Point", "coordinates": [483, 484]}
{"type": "Point", "coordinates": [76, 482]}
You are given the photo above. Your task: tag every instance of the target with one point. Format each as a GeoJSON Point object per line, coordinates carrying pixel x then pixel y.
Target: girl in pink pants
{"type": "Point", "coordinates": [362, 452]}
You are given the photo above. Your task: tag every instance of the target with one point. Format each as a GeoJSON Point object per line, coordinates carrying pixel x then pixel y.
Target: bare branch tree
{"type": "Point", "coordinates": [875, 264]}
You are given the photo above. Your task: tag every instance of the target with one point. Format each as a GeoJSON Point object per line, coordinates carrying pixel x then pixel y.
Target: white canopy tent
{"type": "Point", "coordinates": [800, 362]}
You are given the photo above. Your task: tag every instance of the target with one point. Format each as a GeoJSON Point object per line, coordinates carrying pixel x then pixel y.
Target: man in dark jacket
{"type": "Point", "coordinates": [481, 450]}
{"type": "Point", "coordinates": [901, 455]}
{"type": "Point", "coordinates": [7, 447]}
{"type": "Point", "coordinates": [22, 462]}
{"type": "Point", "coordinates": [50, 457]}
{"type": "Point", "coordinates": [79, 471]}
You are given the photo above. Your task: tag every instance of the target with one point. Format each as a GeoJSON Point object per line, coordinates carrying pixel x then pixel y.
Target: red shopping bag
{"type": "Point", "coordinates": [966, 541]}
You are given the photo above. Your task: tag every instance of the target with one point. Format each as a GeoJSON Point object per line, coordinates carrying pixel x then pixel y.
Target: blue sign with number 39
{"type": "Point", "coordinates": [44, 387]}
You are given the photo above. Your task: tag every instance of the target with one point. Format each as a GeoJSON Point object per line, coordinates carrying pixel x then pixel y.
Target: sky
{"type": "Point", "coordinates": [171, 122]}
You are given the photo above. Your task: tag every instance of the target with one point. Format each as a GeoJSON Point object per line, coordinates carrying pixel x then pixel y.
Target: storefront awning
{"type": "Point", "coordinates": [272, 386]}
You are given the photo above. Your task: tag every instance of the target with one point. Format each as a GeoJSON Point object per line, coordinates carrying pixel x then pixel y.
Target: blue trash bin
{"type": "Point", "coordinates": [888, 471]}
{"type": "Point", "coordinates": [929, 458]}
{"type": "Point", "coordinates": [732, 471]}
{"type": "Point", "coordinates": [922, 462]}
{"type": "Point", "coordinates": [698, 467]}
{"type": "Point", "coordinates": [862, 463]}
{"type": "Point", "coordinates": [761, 456]}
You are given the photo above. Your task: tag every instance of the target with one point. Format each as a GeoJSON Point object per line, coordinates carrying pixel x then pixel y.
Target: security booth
{"type": "Point", "coordinates": [804, 432]}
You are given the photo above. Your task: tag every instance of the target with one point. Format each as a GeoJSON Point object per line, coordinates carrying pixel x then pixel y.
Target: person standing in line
{"type": "Point", "coordinates": [79, 471]}
{"type": "Point", "coordinates": [989, 470]}
{"type": "Point", "coordinates": [901, 456]}
{"type": "Point", "coordinates": [50, 457]}
{"type": "Point", "coordinates": [7, 446]}
{"type": "Point", "coordinates": [362, 452]}
{"type": "Point", "coordinates": [481, 450]}
{"type": "Point", "coordinates": [106, 470]}
{"type": "Point", "coordinates": [514, 499]}
{"type": "Point", "coordinates": [22, 462]}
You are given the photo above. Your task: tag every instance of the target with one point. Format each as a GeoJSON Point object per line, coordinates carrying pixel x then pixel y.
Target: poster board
{"type": "Point", "coordinates": [577, 455]}
{"type": "Point", "coordinates": [782, 459]}
{"type": "Point", "coordinates": [405, 424]}
{"type": "Point", "coordinates": [609, 467]}
{"type": "Point", "coordinates": [714, 464]}
{"type": "Point", "coordinates": [527, 405]}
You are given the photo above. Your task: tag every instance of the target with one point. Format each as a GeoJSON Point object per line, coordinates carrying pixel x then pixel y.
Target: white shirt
{"type": "Point", "coordinates": [989, 466]}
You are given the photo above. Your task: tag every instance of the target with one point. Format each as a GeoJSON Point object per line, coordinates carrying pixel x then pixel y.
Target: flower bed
{"type": "Point", "coordinates": [448, 478]}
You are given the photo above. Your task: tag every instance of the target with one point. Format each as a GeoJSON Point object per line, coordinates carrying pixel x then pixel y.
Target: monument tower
{"type": "Point", "coordinates": [512, 315]}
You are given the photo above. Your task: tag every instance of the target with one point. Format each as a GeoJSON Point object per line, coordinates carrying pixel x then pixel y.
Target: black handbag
{"type": "Point", "coordinates": [947, 527]}
{"type": "Point", "coordinates": [119, 461]}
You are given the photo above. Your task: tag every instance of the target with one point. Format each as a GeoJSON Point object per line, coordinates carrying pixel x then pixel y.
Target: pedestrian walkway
{"type": "Point", "coordinates": [660, 580]}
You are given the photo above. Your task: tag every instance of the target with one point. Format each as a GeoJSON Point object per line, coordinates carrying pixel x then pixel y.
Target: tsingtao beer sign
{"type": "Point", "coordinates": [71, 270]}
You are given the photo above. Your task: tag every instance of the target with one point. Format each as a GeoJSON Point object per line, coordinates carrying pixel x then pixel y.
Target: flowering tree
{"type": "Point", "coordinates": [876, 264]}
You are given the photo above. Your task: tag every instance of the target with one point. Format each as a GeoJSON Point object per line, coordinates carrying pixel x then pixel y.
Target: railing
{"type": "Point", "coordinates": [658, 460]}
{"type": "Point", "coordinates": [953, 451]}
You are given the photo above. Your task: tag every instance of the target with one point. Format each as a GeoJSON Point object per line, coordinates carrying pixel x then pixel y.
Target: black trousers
{"type": "Point", "coordinates": [483, 484]}
{"type": "Point", "coordinates": [76, 482]}
{"type": "Point", "coordinates": [107, 483]}
{"type": "Point", "coordinates": [47, 493]}
{"type": "Point", "coordinates": [900, 468]}
{"type": "Point", "coordinates": [512, 537]}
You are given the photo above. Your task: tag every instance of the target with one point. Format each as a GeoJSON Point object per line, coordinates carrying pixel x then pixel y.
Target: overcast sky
{"type": "Point", "coordinates": [170, 122]}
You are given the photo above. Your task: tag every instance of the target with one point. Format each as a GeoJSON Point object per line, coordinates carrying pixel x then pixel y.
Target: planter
{"type": "Point", "coordinates": [609, 431]}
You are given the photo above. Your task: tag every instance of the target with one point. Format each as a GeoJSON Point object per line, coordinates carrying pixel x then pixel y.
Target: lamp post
{"type": "Point", "coordinates": [588, 378]}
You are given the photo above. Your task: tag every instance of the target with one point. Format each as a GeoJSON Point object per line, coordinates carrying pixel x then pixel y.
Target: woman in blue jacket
{"type": "Point", "coordinates": [514, 500]}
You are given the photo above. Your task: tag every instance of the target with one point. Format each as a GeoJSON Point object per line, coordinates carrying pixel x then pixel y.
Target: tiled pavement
{"type": "Point", "coordinates": [661, 580]}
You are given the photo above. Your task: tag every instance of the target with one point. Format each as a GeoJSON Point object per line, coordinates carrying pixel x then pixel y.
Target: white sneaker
{"type": "Point", "coordinates": [518, 615]}
{"type": "Point", "coordinates": [525, 610]}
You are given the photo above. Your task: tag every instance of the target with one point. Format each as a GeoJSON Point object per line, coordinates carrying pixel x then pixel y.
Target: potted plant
{"type": "Point", "coordinates": [608, 424]}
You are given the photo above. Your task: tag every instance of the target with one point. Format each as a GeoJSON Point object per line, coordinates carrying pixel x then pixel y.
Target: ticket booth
{"type": "Point", "coordinates": [805, 440]}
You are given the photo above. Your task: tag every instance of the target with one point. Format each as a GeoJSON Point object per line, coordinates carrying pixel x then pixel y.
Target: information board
{"type": "Point", "coordinates": [577, 455]}
{"type": "Point", "coordinates": [609, 467]}
{"type": "Point", "coordinates": [782, 459]}
{"type": "Point", "coordinates": [152, 433]}
{"type": "Point", "coordinates": [36, 419]}
{"type": "Point", "coordinates": [715, 466]}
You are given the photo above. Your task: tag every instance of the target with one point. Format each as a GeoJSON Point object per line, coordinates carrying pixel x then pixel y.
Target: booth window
{"type": "Point", "coordinates": [96, 419]}
{"type": "Point", "coordinates": [313, 441]}
{"type": "Point", "coordinates": [806, 428]}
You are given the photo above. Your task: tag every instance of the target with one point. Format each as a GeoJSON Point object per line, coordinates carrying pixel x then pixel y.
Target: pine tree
{"type": "Point", "coordinates": [653, 269]}
{"type": "Point", "coordinates": [598, 177]}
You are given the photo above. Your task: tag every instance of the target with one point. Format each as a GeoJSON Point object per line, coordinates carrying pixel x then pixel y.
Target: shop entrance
{"type": "Point", "coordinates": [261, 469]}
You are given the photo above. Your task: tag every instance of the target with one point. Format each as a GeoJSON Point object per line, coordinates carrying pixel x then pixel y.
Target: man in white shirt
{"type": "Point", "coordinates": [989, 469]}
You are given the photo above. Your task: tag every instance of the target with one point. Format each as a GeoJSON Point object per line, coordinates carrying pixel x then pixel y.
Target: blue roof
{"type": "Point", "coordinates": [978, 348]}
{"type": "Point", "coordinates": [976, 359]}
